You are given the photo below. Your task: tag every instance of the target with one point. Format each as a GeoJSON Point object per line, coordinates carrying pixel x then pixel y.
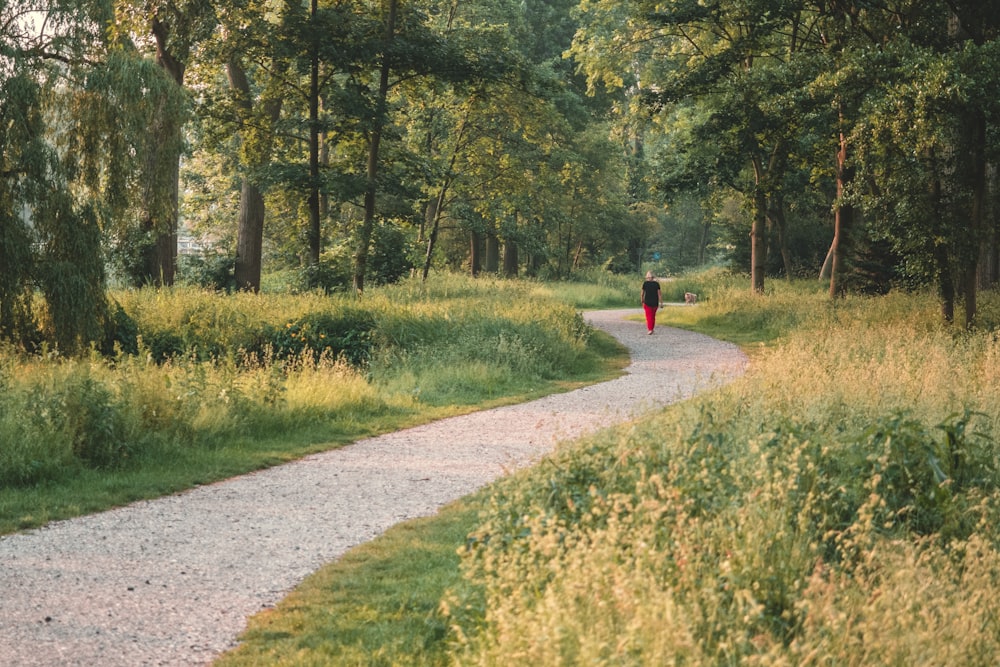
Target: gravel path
{"type": "Point", "coordinates": [172, 581]}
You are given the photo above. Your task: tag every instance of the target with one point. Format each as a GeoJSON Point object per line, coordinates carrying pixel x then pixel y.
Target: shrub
{"type": "Point", "coordinates": [31, 448]}
{"type": "Point", "coordinates": [90, 416]}
{"type": "Point", "coordinates": [329, 276]}
{"type": "Point", "coordinates": [346, 333]}
{"type": "Point", "coordinates": [212, 270]}
{"type": "Point", "coordinates": [163, 345]}
{"type": "Point", "coordinates": [121, 332]}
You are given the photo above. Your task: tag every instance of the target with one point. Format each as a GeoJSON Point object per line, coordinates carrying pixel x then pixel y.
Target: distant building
{"type": "Point", "coordinates": [189, 244]}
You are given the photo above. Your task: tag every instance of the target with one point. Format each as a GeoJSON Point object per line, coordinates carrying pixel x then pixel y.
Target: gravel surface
{"type": "Point", "coordinates": [172, 581]}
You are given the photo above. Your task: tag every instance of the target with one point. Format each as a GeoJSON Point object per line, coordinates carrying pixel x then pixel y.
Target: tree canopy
{"type": "Point", "coordinates": [355, 141]}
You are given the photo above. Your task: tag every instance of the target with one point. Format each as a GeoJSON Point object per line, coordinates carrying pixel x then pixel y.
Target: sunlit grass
{"type": "Point", "coordinates": [371, 607]}
{"type": "Point", "coordinates": [835, 502]}
{"type": "Point", "coordinates": [837, 505]}
{"type": "Point", "coordinates": [224, 402]}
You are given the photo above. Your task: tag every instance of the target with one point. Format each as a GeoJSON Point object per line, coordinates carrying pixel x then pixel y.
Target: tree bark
{"type": "Point", "coordinates": [843, 218]}
{"type": "Point", "coordinates": [758, 240]}
{"type": "Point", "coordinates": [492, 265]}
{"type": "Point", "coordinates": [977, 129]}
{"type": "Point", "coordinates": [432, 236]}
{"type": "Point", "coordinates": [249, 238]}
{"type": "Point", "coordinates": [475, 253]}
{"type": "Point", "coordinates": [250, 229]}
{"type": "Point", "coordinates": [776, 213]}
{"type": "Point", "coordinates": [706, 230]}
{"type": "Point", "coordinates": [825, 271]}
{"type": "Point", "coordinates": [365, 235]}
{"type": "Point", "coordinates": [510, 260]}
{"type": "Point", "coordinates": [161, 265]}
{"type": "Point", "coordinates": [439, 202]}
{"type": "Point", "coordinates": [314, 233]}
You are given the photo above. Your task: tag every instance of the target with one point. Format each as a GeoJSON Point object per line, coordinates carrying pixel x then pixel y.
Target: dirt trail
{"type": "Point", "coordinates": [172, 581]}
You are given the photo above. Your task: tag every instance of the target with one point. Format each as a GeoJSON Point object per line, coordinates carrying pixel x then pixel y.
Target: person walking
{"type": "Point", "coordinates": [652, 299]}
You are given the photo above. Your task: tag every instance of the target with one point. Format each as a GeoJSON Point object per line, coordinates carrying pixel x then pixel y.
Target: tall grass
{"type": "Point", "coordinates": [222, 384]}
{"type": "Point", "coordinates": [837, 505]}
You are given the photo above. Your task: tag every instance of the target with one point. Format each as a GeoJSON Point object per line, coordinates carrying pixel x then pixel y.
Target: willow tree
{"type": "Point", "coordinates": [72, 130]}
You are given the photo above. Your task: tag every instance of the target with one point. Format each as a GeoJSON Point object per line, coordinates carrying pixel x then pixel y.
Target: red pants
{"type": "Point", "coordinates": [650, 316]}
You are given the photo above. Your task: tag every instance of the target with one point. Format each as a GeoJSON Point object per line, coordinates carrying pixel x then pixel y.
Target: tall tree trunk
{"type": "Point", "coordinates": [432, 236]}
{"type": "Point", "coordinates": [439, 201]}
{"type": "Point", "coordinates": [510, 260]}
{"type": "Point", "coordinates": [249, 237]}
{"type": "Point", "coordinates": [162, 261]}
{"type": "Point", "coordinates": [492, 265]}
{"type": "Point", "coordinates": [826, 270]}
{"type": "Point", "coordinates": [843, 218]}
{"type": "Point", "coordinates": [946, 284]}
{"type": "Point", "coordinates": [946, 278]}
{"type": "Point", "coordinates": [250, 229]}
{"type": "Point", "coordinates": [475, 253]}
{"type": "Point", "coordinates": [776, 214]}
{"type": "Point", "coordinates": [315, 232]}
{"type": "Point", "coordinates": [706, 229]}
{"type": "Point", "coordinates": [365, 235]}
{"type": "Point", "coordinates": [758, 237]}
{"type": "Point", "coordinates": [577, 256]}
{"type": "Point", "coordinates": [989, 258]}
{"type": "Point", "coordinates": [758, 243]}
{"type": "Point", "coordinates": [977, 130]}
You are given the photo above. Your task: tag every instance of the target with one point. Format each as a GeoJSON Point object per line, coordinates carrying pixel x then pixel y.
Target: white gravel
{"type": "Point", "coordinates": [172, 581]}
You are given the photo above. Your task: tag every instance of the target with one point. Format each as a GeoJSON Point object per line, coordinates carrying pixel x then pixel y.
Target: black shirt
{"type": "Point", "coordinates": [651, 293]}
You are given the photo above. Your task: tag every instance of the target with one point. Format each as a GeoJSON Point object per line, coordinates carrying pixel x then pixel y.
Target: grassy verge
{"type": "Point", "coordinates": [221, 385]}
{"type": "Point", "coordinates": [380, 604]}
{"type": "Point", "coordinates": [840, 501]}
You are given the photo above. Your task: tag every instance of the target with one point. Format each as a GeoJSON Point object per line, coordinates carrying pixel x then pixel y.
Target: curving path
{"type": "Point", "coordinates": [172, 581]}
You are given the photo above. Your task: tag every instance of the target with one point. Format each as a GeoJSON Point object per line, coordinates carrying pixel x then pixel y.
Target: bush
{"type": "Point", "coordinates": [163, 345]}
{"type": "Point", "coordinates": [345, 333]}
{"type": "Point", "coordinates": [87, 412]}
{"type": "Point", "coordinates": [121, 333]}
{"type": "Point", "coordinates": [214, 271]}
{"type": "Point", "coordinates": [331, 275]}
{"type": "Point", "coordinates": [31, 448]}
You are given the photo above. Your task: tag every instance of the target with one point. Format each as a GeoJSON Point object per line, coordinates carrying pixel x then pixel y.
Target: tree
{"type": "Point", "coordinates": [735, 60]}
{"type": "Point", "coordinates": [76, 110]}
{"type": "Point", "coordinates": [170, 30]}
{"type": "Point", "coordinates": [249, 44]}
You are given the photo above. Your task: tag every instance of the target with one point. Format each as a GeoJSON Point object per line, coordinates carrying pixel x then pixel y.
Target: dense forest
{"type": "Point", "coordinates": [352, 142]}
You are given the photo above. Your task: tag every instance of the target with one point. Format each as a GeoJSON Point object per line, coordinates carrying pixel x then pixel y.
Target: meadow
{"type": "Point", "coordinates": [194, 386]}
{"type": "Point", "coordinates": [835, 506]}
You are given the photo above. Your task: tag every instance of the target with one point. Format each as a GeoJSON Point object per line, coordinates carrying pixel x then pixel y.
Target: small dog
{"type": "Point", "coordinates": [690, 297]}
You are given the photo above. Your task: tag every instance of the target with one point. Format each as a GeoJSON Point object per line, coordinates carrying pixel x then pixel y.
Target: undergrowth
{"type": "Point", "coordinates": [837, 505]}
{"type": "Point", "coordinates": [193, 373]}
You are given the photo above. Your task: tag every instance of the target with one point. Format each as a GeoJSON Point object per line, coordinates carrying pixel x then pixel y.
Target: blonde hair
{"type": "Point", "coordinates": [649, 275]}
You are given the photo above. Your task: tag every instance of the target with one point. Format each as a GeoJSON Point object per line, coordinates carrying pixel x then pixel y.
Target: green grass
{"type": "Point", "coordinates": [837, 505]}
{"type": "Point", "coordinates": [380, 604]}
{"type": "Point", "coordinates": [81, 435]}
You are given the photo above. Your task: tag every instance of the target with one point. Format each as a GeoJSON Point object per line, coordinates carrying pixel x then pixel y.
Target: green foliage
{"type": "Point", "coordinates": [90, 417]}
{"type": "Point", "coordinates": [390, 257]}
{"type": "Point", "coordinates": [212, 271]}
{"type": "Point", "coordinates": [188, 373]}
{"type": "Point", "coordinates": [348, 333]}
{"type": "Point", "coordinates": [926, 476]}
{"type": "Point", "coordinates": [861, 443]}
{"type": "Point", "coordinates": [121, 333]}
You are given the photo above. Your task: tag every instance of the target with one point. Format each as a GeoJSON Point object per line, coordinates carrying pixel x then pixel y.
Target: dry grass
{"type": "Point", "coordinates": [836, 506]}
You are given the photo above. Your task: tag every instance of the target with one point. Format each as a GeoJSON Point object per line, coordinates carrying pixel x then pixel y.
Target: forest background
{"type": "Point", "coordinates": [351, 143]}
